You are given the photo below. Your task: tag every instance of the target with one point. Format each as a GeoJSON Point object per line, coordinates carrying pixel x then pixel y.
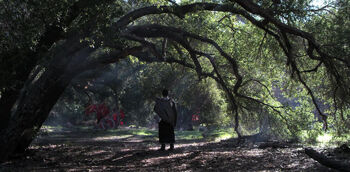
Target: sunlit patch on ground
{"type": "Point", "coordinates": [96, 152]}
{"type": "Point", "coordinates": [111, 138]}
{"type": "Point", "coordinates": [76, 151]}
{"type": "Point", "coordinates": [188, 145]}
{"type": "Point", "coordinates": [325, 138]}
{"type": "Point", "coordinates": [254, 153]}
{"type": "Point", "coordinates": [158, 160]}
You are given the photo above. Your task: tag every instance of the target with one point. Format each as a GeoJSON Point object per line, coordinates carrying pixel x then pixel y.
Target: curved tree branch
{"type": "Point", "coordinates": [271, 25]}
{"type": "Point", "coordinates": [177, 35]}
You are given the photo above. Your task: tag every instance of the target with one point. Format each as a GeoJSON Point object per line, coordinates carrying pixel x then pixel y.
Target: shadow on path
{"type": "Point", "coordinates": [83, 151]}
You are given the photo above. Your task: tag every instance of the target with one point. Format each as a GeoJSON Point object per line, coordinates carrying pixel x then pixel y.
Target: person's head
{"type": "Point", "coordinates": [165, 92]}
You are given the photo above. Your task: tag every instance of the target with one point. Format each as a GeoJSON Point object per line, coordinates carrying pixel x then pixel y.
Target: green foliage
{"type": "Point", "coordinates": [188, 135]}
{"type": "Point", "coordinates": [132, 85]}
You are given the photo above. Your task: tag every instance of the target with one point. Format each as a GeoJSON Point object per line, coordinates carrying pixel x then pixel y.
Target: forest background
{"type": "Point", "coordinates": [275, 68]}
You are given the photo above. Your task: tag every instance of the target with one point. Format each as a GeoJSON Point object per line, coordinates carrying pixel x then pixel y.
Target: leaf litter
{"type": "Point", "coordinates": [77, 151]}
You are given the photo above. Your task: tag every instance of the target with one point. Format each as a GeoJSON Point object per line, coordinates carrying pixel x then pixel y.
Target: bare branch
{"type": "Point", "coordinates": [295, 69]}
{"type": "Point", "coordinates": [314, 69]}
{"type": "Point", "coordinates": [179, 11]}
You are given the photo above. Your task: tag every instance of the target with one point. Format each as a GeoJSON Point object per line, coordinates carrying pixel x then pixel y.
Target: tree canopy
{"type": "Point", "coordinates": [259, 62]}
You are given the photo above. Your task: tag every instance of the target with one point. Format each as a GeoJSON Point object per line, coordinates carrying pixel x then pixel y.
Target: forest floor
{"type": "Point", "coordinates": [132, 150]}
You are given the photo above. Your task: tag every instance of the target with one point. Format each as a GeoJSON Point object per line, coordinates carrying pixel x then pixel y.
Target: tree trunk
{"type": "Point", "coordinates": [338, 165]}
{"type": "Point", "coordinates": [8, 99]}
{"type": "Point", "coordinates": [51, 34]}
{"type": "Point", "coordinates": [31, 113]}
{"type": "Point", "coordinates": [13, 87]}
{"type": "Point", "coordinates": [11, 95]}
{"type": "Point", "coordinates": [237, 125]}
{"type": "Point", "coordinates": [38, 98]}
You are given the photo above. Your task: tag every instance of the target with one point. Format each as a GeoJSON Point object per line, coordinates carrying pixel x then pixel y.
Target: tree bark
{"type": "Point", "coordinates": [8, 98]}
{"type": "Point", "coordinates": [37, 100]}
{"type": "Point", "coordinates": [52, 34]}
{"type": "Point", "coordinates": [16, 82]}
{"type": "Point", "coordinates": [29, 117]}
{"type": "Point", "coordinates": [338, 165]}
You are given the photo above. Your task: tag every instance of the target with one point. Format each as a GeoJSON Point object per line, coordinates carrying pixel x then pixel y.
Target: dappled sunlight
{"type": "Point", "coordinates": [95, 152]}
{"type": "Point", "coordinates": [293, 165]}
{"type": "Point", "coordinates": [183, 145]}
{"type": "Point", "coordinates": [242, 153]}
{"type": "Point", "coordinates": [223, 137]}
{"type": "Point", "coordinates": [238, 85]}
{"type": "Point", "coordinates": [105, 138]}
{"type": "Point", "coordinates": [254, 153]}
{"type": "Point", "coordinates": [122, 157]}
{"type": "Point", "coordinates": [127, 152]}
{"type": "Point", "coordinates": [158, 160]}
{"type": "Point", "coordinates": [325, 138]}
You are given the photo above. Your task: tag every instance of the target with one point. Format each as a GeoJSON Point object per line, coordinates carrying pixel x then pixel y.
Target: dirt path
{"type": "Point", "coordinates": [79, 151]}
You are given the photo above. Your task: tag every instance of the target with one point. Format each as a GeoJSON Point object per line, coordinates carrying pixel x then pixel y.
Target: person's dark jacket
{"type": "Point", "coordinates": [166, 110]}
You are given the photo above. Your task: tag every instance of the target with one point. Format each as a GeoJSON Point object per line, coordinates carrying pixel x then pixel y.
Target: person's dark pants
{"type": "Point", "coordinates": [166, 134]}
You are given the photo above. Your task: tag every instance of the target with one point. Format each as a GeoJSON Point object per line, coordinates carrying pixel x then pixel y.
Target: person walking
{"type": "Point", "coordinates": [166, 110]}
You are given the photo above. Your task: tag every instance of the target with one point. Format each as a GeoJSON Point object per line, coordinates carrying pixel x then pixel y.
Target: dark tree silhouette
{"type": "Point", "coordinates": [70, 56]}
